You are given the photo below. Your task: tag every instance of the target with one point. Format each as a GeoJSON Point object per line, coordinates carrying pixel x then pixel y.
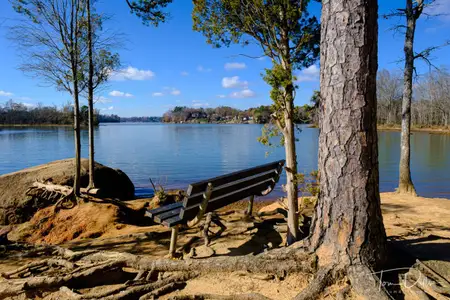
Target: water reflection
{"type": "Point", "coordinates": [188, 152]}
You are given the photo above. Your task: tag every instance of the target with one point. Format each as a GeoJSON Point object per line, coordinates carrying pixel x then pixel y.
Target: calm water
{"type": "Point", "coordinates": [181, 154]}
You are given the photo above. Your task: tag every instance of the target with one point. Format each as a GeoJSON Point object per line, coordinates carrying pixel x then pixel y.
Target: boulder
{"type": "Point", "coordinates": [113, 183]}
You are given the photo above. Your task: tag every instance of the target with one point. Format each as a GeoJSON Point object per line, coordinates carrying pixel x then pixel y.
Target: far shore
{"type": "Point", "coordinates": [36, 125]}
{"type": "Point", "coordinates": [434, 129]}
{"type": "Point", "coordinates": [380, 127]}
{"type": "Point", "coordinates": [384, 127]}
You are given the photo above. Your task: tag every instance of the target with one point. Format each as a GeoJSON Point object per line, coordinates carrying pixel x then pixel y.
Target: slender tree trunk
{"type": "Point", "coordinates": [405, 183]}
{"type": "Point", "coordinates": [75, 56]}
{"type": "Point", "coordinates": [348, 227]}
{"type": "Point", "coordinates": [291, 169]}
{"type": "Point", "coordinates": [90, 100]}
{"type": "Point", "coordinates": [76, 128]}
{"type": "Point", "coordinates": [289, 136]}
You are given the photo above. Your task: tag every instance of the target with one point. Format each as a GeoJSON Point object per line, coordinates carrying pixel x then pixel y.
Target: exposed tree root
{"type": "Point", "coordinates": [252, 296]}
{"type": "Point", "coordinates": [363, 282]}
{"type": "Point", "coordinates": [137, 276]}
{"type": "Point", "coordinates": [427, 284]}
{"type": "Point", "coordinates": [38, 265]}
{"type": "Point", "coordinates": [316, 287]}
{"type": "Point", "coordinates": [278, 262]}
{"type": "Point", "coordinates": [276, 211]}
{"type": "Point", "coordinates": [410, 290]}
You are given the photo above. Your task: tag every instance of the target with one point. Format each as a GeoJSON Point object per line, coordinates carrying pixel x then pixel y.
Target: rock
{"type": "Point", "coordinates": [112, 183]}
{"type": "Point", "coordinates": [4, 230]}
{"type": "Point", "coordinates": [203, 252]}
{"type": "Point", "coordinates": [306, 206]}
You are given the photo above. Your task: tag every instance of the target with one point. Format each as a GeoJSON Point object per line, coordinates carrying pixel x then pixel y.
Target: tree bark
{"type": "Point", "coordinates": [76, 128]}
{"type": "Point", "coordinates": [348, 228]}
{"type": "Point", "coordinates": [405, 183]}
{"type": "Point", "coordinates": [90, 100]}
{"type": "Point", "coordinates": [291, 172]}
{"type": "Point", "coordinates": [289, 135]}
{"type": "Point", "coordinates": [75, 56]}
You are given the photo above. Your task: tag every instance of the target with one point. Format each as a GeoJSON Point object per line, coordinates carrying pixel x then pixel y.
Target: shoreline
{"type": "Point", "coordinates": [436, 130]}
{"type": "Point", "coordinates": [36, 125]}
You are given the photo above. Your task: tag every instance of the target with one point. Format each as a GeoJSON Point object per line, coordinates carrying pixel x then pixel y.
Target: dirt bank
{"type": "Point", "coordinates": [13, 186]}
{"type": "Point", "coordinates": [420, 226]}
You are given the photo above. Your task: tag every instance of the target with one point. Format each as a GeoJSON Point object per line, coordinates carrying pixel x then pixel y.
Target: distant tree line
{"type": "Point", "coordinates": [109, 119]}
{"type": "Point", "coordinates": [225, 114]}
{"type": "Point", "coordinates": [140, 119]}
{"type": "Point", "coordinates": [431, 99]}
{"type": "Point", "coordinates": [15, 113]}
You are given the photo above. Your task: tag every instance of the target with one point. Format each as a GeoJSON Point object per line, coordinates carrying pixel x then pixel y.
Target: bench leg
{"type": "Point", "coordinates": [249, 210]}
{"type": "Point", "coordinates": [206, 228]}
{"type": "Point", "coordinates": [173, 240]}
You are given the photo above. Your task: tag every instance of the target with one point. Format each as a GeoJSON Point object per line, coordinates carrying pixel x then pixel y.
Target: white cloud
{"type": "Point", "coordinates": [23, 98]}
{"type": "Point", "coordinates": [175, 92]}
{"type": "Point", "coordinates": [6, 94]}
{"type": "Point", "coordinates": [131, 73]}
{"type": "Point", "coordinates": [440, 8]}
{"type": "Point", "coordinates": [235, 66]}
{"type": "Point", "coordinates": [29, 105]}
{"type": "Point", "coordinates": [120, 94]}
{"type": "Point", "coordinates": [309, 74]}
{"type": "Point", "coordinates": [108, 108]}
{"type": "Point", "coordinates": [103, 100]}
{"type": "Point", "coordinates": [221, 96]}
{"type": "Point", "coordinates": [168, 90]}
{"type": "Point", "coordinates": [233, 82]}
{"type": "Point", "coordinates": [198, 103]}
{"type": "Point", "coordinates": [203, 69]}
{"type": "Point", "coordinates": [247, 93]}
{"type": "Point", "coordinates": [184, 73]}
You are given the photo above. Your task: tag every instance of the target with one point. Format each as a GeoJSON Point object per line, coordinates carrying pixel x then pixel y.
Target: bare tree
{"type": "Point", "coordinates": [433, 104]}
{"type": "Point", "coordinates": [389, 96]}
{"type": "Point", "coordinates": [100, 62]}
{"type": "Point", "coordinates": [49, 37]}
{"type": "Point", "coordinates": [411, 13]}
{"type": "Point", "coordinates": [90, 47]}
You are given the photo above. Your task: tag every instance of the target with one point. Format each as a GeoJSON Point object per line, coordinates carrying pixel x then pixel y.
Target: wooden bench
{"type": "Point", "coordinates": [209, 195]}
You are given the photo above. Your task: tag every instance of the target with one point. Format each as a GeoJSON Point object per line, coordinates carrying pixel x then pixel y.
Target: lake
{"type": "Point", "coordinates": [179, 154]}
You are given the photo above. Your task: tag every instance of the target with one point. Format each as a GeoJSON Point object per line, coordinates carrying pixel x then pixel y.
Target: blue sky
{"type": "Point", "coordinates": [172, 65]}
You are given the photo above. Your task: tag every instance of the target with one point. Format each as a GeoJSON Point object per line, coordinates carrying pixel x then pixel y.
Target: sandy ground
{"type": "Point", "coordinates": [421, 226]}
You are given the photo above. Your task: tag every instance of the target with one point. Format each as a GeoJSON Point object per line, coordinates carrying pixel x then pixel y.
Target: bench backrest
{"type": "Point", "coordinates": [230, 188]}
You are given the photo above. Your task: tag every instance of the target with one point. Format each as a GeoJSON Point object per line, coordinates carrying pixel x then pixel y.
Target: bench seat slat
{"type": "Point", "coordinates": [152, 213]}
{"type": "Point", "coordinates": [173, 221]}
{"type": "Point", "coordinates": [191, 211]}
{"type": "Point", "coordinates": [228, 188]}
{"type": "Point", "coordinates": [167, 215]}
{"type": "Point", "coordinates": [200, 187]}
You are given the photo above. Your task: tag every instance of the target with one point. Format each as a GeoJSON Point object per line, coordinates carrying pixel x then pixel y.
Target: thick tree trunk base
{"type": "Point", "coordinates": [407, 188]}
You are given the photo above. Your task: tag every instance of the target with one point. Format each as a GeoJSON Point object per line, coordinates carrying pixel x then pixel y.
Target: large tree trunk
{"type": "Point", "coordinates": [405, 183]}
{"type": "Point", "coordinates": [90, 100]}
{"type": "Point", "coordinates": [348, 227]}
{"type": "Point", "coordinates": [291, 171]}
